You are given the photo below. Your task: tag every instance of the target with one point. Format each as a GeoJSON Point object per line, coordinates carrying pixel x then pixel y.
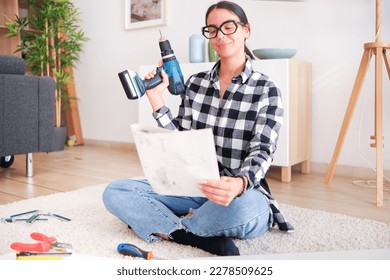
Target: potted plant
{"type": "Point", "coordinates": [51, 42]}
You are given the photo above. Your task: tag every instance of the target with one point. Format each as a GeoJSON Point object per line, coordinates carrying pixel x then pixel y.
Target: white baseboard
{"type": "Point", "coordinates": [110, 144]}
{"type": "Point", "coordinates": [347, 170]}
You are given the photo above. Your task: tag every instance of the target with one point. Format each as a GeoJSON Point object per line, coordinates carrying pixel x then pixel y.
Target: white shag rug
{"type": "Point", "coordinates": [93, 231]}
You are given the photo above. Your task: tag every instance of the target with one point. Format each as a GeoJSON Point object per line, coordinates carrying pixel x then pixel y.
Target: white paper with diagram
{"type": "Point", "coordinates": [176, 162]}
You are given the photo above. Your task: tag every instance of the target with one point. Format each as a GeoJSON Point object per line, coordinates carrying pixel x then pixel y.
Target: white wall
{"type": "Point", "coordinates": [328, 33]}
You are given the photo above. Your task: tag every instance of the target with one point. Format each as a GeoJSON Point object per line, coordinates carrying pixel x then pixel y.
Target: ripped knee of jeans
{"type": "Point", "coordinates": [166, 236]}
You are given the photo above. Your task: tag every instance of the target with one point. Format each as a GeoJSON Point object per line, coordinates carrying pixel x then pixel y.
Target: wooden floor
{"type": "Point", "coordinates": [92, 164]}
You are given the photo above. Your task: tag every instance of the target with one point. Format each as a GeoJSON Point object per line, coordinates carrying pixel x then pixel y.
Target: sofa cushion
{"type": "Point", "coordinates": [12, 64]}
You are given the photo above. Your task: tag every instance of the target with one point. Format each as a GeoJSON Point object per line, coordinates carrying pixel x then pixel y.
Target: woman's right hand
{"type": "Point", "coordinates": [155, 94]}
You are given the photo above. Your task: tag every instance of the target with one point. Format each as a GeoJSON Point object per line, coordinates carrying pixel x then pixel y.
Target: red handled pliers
{"type": "Point", "coordinates": [45, 245]}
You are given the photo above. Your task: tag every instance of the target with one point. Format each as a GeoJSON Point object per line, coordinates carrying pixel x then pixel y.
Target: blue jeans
{"type": "Point", "coordinates": [147, 213]}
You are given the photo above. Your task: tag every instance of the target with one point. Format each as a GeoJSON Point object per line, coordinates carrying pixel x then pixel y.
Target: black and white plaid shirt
{"type": "Point", "coordinates": [245, 122]}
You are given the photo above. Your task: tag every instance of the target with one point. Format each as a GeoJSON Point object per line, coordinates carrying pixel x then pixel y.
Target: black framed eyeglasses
{"type": "Point", "coordinates": [227, 28]}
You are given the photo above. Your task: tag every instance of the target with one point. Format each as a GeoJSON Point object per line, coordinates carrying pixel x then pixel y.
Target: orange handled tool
{"type": "Point", "coordinates": [41, 237]}
{"type": "Point", "coordinates": [35, 247]}
{"type": "Point", "coordinates": [46, 243]}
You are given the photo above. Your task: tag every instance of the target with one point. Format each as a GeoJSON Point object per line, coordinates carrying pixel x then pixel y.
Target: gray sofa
{"type": "Point", "coordinates": [26, 112]}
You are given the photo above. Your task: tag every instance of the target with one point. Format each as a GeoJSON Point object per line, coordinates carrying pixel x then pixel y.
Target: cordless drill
{"type": "Point", "coordinates": [135, 87]}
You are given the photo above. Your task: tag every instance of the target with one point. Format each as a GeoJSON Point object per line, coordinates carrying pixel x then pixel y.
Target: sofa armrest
{"type": "Point", "coordinates": [27, 106]}
{"type": "Point", "coordinates": [47, 89]}
{"type": "Point", "coordinates": [12, 64]}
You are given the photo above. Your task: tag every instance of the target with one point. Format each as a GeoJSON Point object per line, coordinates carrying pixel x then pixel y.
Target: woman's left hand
{"type": "Point", "coordinates": [222, 191]}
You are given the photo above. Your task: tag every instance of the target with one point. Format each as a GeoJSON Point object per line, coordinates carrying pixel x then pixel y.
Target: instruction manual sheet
{"type": "Point", "coordinates": [176, 162]}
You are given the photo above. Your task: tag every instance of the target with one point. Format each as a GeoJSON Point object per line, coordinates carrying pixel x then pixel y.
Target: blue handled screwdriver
{"type": "Point", "coordinates": [134, 251]}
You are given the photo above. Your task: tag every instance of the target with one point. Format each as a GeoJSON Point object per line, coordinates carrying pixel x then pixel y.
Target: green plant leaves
{"type": "Point", "coordinates": [51, 39]}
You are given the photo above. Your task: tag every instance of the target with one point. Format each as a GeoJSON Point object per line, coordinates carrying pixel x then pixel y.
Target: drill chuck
{"type": "Point", "coordinates": [172, 67]}
{"type": "Point", "coordinates": [166, 51]}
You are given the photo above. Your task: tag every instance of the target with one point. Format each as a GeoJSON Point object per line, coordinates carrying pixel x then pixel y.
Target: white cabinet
{"type": "Point", "coordinates": [294, 80]}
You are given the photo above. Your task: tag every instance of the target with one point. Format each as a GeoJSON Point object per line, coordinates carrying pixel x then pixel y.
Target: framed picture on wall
{"type": "Point", "coordinates": [144, 13]}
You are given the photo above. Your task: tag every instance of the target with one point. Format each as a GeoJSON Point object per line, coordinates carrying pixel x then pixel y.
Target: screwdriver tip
{"type": "Point", "coordinates": [162, 38]}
